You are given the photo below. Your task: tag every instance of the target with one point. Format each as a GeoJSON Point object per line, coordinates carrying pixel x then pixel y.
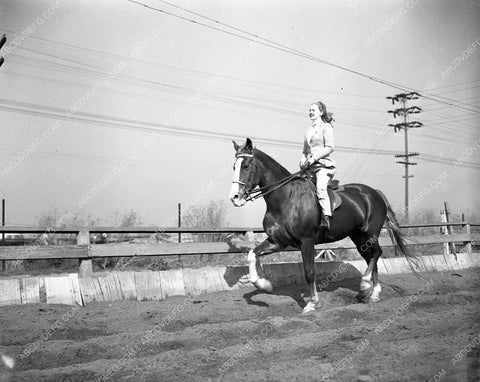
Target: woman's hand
{"type": "Point", "coordinates": [307, 162]}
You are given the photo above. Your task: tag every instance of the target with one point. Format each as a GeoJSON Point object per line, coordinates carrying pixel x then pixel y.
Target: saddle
{"type": "Point", "coordinates": [333, 188]}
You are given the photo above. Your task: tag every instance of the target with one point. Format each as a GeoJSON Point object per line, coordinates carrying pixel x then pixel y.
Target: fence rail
{"type": "Point", "coordinates": [152, 230]}
{"type": "Point", "coordinates": [85, 250]}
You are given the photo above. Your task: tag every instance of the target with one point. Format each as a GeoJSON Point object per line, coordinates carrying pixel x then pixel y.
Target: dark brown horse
{"type": "Point", "coordinates": [293, 219]}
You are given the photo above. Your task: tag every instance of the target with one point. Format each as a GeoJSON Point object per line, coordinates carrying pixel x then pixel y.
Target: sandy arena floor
{"type": "Point", "coordinates": [422, 330]}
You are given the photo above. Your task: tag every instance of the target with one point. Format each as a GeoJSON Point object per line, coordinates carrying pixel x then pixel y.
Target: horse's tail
{"type": "Point", "coordinates": [399, 239]}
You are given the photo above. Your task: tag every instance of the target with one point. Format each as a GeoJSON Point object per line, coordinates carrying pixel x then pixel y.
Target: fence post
{"type": "Point", "coordinates": [250, 236]}
{"type": "Point", "coordinates": [4, 263]}
{"type": "Point", "coordinates": [444, 231]}
{"type": "Point", "coordinates": [469, 233]}
{"type": "Point", "coordinates": [449, 228]}
{"type": "Point", "coordinates": [85, 269]}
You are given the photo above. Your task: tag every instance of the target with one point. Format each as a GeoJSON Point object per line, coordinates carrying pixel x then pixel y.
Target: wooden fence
{"type": "Point", "coordinates": [84, 287]}
{"type": "Point", "coordinates": [84, 250]}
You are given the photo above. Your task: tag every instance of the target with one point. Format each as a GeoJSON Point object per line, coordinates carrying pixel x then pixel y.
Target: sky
{"type": "Point", "coordinates": [111, 105]}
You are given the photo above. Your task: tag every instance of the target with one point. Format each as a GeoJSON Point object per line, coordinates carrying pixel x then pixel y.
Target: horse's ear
{"type": "Point", "coordinates": [236, 145]}
{"type": "Point", "coordinates": [249, 146]}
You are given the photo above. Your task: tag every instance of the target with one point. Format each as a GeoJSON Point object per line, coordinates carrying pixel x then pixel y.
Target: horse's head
{"type": "Point", "coordinates": [245, 177]}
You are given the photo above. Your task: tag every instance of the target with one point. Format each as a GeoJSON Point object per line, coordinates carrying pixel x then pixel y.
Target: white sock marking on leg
{"type": "Point", "coordinates": [252, 266]}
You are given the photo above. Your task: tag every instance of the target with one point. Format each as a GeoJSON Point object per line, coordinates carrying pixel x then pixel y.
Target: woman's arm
{"type": "Point", "coordinates": [328, 136]}
{"type": "Point", "coordinates": [304, 156]}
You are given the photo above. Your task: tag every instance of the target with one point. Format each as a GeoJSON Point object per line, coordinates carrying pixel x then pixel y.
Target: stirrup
{"type": "Point", "coordinates": [325, 223]}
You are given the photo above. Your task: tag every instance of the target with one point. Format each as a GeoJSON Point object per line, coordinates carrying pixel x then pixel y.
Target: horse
{"type": "Point", "coordinates": [293, 217]}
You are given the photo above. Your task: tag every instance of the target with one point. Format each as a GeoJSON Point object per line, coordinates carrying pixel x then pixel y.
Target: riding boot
{"type": "Point", "coordinates": [325, 223]}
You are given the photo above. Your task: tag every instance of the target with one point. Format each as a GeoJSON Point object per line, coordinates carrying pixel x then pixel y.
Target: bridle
{"type": "Point", "coordinates": [242, 156]}
{"type": "Point", "coordinates": [264, 191]}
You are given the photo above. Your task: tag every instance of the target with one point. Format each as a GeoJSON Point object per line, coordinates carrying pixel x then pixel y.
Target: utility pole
{"type": "Point", "coordinates": [3, 40]}
{"type": "Point", "coordinates": [179, 221]}
{"type": "Point", "coordinates": [3, 218]}
{"type": "Point", "coordinates": [449, 228]}
{"type": "Point", "coordinates": [405, 111]}
{"type": "Point", "coordinates": [3, 267]}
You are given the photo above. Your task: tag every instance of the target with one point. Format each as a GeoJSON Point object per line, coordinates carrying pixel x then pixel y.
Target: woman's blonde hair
{"type": "Point", "coordinates": [326, 116]}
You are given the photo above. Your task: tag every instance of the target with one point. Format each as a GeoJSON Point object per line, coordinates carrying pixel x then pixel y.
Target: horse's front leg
{"type": "Point", "coordinates": [264, 248]}
{"type": "Point", "coordinates": [308, 256]}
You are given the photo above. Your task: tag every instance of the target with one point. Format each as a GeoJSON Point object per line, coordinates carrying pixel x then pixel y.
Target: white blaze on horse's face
{"type": "Point", "coordinates": [235, 191]}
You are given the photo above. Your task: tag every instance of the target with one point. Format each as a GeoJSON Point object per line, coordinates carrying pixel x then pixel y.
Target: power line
{"type": "Point", "coordinates": [441, 121]}
{"type": "Point", "coordinates": [358, 165]}
{"type": "Point", "coordinates": [53, 154]}
{"type": "Point", "coordinates": [176, 68]}
{"type": "Point", "coordinates": [441, 117]}
{"type": "Point", "coordinates": [450, 162]}
{"type": "Point", "coordinates": [98, 70]}
{"type": "Point", "coordinates": [191, 71]}
{"type": "Point", "coordinates": [389, 83]}
{"type": "Point", "coordinates": [355, 124]}
{"type": "Point", "coordinates": [284, 48]}
{"type": "Point", "coordinates": [188, 91]}
{"type": "Point", "coordinates": [449, 135]}
{"type": "Point", "coordinates": [211, 94]}
{"type": "Point", "coordinates": [274, 101]}
{"type": "Point", "coordinates": [457, 84]}
{"type": "Point", "coordinates": [451, 120]}
{"type": "Point", "coordinates": [457, 90]}
{"type": "Point", "coordinates": [130, 78]}
{"type": "Point", "coordinates": [238, 29]}
{"type": "Point", "coordinates": [342, 121]}
{"type": "Point", "coordinates": [461, 143]}
{"type": "Point", "coordinates": [428, 110]}
{"type": "Point", "coordinates": [133, 125]}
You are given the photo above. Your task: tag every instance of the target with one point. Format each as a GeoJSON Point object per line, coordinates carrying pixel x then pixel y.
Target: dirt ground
{"type": "Point", "coordinates": [422, 330]}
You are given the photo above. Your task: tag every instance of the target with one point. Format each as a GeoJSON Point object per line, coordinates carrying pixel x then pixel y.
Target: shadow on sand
{"type": "Point", "coordinates": [330, 276]}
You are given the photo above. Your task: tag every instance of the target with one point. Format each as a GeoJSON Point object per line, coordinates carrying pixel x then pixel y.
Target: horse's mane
{"type": "Point", "coordinates": [266, 159]}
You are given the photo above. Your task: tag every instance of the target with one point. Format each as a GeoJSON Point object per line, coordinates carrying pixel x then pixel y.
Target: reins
{"type": "Point", "coordinates": [258, 193]}
{"type": "Point", "coordinates": [264, 191]}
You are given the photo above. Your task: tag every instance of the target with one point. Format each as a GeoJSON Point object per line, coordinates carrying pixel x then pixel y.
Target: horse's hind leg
{"type": "Point", "coordinates": [371, 251]}
{"type": "Point", "coordinates": [370, 287]}
{"type": "Point", "coordinates": [377, 288]}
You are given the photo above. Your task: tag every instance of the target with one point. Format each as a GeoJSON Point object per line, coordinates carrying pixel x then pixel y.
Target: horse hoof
{"type": "Point", "coordinates": [376, 293]}
{"type": "Point", "coordinates": [264, 284]}
{"type": "Point", "coordinates": [364, 295]}
{"type": "Point", "coordinates": [310, 307]}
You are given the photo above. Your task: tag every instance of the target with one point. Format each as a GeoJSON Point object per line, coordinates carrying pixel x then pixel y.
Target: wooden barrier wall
{"type": "Point", "coordinates": [72, 290]}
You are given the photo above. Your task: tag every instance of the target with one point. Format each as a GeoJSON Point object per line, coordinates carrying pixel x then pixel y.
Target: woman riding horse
{"type": "Point", "coordinates": [317, 150]}
{"type": "Point", "coordinates": [293, 219]}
